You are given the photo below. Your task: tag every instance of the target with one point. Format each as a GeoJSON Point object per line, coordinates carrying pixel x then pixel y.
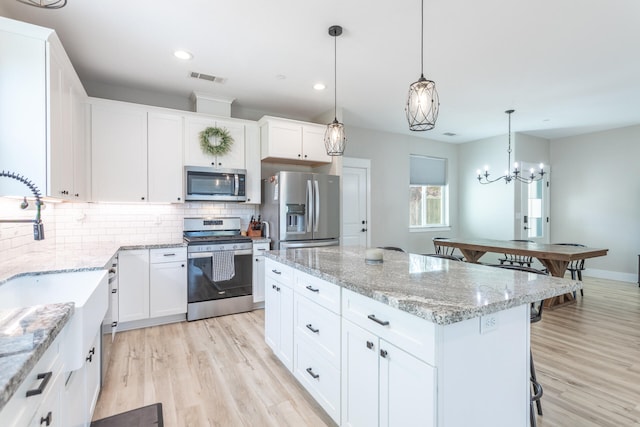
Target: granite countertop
{"type": "Point", "coordinates": [435, 289]}
{"type": "Point", "coordinates": [25, 334]}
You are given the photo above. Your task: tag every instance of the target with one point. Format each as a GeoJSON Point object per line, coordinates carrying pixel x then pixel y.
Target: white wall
{"type": "Point", "coordinates": [595, 196]}
{"type": "Point", "coordinates": [389, 155]}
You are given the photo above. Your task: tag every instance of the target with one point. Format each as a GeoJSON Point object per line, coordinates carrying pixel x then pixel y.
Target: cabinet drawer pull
{"type": "Point", "coordinates": [114, 324]}
{"type": "Point", "coordinates": [383, 353]}
{"type": "Point", "coordinates": [378, 321]}
{"type": "Point", "coordinates": [310, 327]}
{"type": "Point", "coordinates": [313, 289]}
{"type": "Point", "coordinates": [369, 345]}
{"type": "Point", "coordinates": [314, 375]}
{"type": "Point", "coordinates": [276, 272]}
{"type": "Point", "coordinates": [90, 358]}
{"type": "Point", "coordinates": [45, 380]}
{"type": "Point", "coordinates": [168, 254]}
{"type": "Point", "coordinates": [46, 420]}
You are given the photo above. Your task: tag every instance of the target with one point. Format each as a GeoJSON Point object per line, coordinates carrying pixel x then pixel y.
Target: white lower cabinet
{"type": "Point", "coordinates": [258, 270]}
{"type": "Point", "coordinates": [278, 316]}
{"type": "Point", "coordinates": [133, 285]}
{"type": "Point", "coordinates": [168, 276]}
{"type": "Point", "coordinates": [81, 389]}
{"type": "Point", "coordinates": [382, 384]}
{"type": "Point", "coordinates": [152, 284]}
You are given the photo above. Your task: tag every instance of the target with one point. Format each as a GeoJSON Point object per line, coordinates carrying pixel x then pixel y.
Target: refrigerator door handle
{"type": "Point", "coordinates": [316, 205]}
{"type": "Point", "coordinates": [309, 208]}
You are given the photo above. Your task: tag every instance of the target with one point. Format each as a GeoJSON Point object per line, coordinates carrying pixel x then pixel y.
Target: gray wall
{"type": "Point", "coordinates": [389, 155]}
{"type": "Point", "coordinates": [595, 196]}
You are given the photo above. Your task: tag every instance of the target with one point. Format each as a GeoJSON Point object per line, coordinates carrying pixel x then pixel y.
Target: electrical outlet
{"type": "Point", "coordinates": [488, 323]}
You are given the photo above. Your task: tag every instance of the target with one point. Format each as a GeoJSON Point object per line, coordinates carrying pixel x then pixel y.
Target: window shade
{"type": "Point", "coordinates": [427, 170]}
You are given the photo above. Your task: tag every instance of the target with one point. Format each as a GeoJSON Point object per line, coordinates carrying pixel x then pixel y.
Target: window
{"type": "Point", "coordinates": [427, 192]}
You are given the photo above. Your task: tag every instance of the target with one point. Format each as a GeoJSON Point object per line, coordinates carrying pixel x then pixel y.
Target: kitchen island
{"type": "Point", "coordinates": [414, 340]}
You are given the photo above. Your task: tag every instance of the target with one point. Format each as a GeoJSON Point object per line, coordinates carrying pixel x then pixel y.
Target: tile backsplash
{"type": "Point", "coordinates": [126, 224]}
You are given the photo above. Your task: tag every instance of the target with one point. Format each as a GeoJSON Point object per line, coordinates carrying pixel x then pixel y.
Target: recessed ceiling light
{"type": "Point", "coordinates": [319, 86]}
{"type": "Point", "coordinates": [449, 134]}
{"type": "Point", "coordinates": [182, 54]}
{"type": "Point", "coordinates": [281, 77]}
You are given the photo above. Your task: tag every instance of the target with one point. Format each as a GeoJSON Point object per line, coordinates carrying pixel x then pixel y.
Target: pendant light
{"type": "Point", "coordinates": [422, 102]}
{"type": "Point", "coordinates": [516, 174]}
{"type": "Point", "coordinates": [335, 139]}
{"type": "Point", "coordinates": [46, 4]}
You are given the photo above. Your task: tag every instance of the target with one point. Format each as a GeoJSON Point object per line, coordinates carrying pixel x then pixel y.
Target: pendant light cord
{"type": "Point", "coordinates": [422, 39]}
{"type": "Point", "coordinates": [335, 78]}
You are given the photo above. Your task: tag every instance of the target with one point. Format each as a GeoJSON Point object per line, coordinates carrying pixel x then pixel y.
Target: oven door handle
{"type": "Point", "coordinates": [194, 255]}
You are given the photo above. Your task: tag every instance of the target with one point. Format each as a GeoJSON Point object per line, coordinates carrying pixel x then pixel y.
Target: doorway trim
{"type": "Point", "coordinates": [359, 163]}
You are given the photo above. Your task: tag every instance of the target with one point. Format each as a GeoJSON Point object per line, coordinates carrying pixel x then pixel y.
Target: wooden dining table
{"type": "Point", "coordinates": [555, 258]}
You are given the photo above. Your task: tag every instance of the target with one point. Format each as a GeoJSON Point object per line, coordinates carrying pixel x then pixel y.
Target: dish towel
{"type": "Point", "coordinates": [223, 266]}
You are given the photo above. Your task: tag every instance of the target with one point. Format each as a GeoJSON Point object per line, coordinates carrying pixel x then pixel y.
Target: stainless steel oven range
{"type": "Point", "coordinates": [220, 266]}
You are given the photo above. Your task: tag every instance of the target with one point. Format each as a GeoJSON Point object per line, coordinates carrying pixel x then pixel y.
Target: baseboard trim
{"type": "Point", "coordinates": [610, 275]}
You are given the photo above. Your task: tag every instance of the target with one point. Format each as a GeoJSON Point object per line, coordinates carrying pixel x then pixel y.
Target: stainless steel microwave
{"type": "Point", "coordinates": [214, 185]}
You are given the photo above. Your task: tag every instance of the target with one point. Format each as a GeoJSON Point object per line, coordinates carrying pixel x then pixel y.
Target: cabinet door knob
{"type": "Point", "coordinates": [363, 230]}
{"type": "Point", "coordinates": [47, 420]}
{"type": "Point", "coordinates": [142, 198]}
{"type": "Point", "coordinates": [383, 353]}
{"type": "Point", "coordinates": [179, 199]}
{"type": "Point", "coordinates": [369, 345]}
{"type": "Point", "coordinates": [77, 194]}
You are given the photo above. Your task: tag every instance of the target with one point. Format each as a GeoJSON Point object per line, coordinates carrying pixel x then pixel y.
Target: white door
{"type": "Point", "coordinates": [355, 202]}
{"type": "Point", "coordinates": [534, 208]}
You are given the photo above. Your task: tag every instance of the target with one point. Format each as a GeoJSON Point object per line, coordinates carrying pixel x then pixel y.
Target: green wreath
{"type": "Point", "coordinates": [223, 138]}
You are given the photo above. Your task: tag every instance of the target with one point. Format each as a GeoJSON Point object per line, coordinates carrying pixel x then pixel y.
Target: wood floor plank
{"type": "Point", "coordinates": [220, 372]}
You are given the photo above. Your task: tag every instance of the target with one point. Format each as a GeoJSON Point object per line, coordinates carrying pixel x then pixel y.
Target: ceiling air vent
{"type": "Point", "coordinates": [207, 77]}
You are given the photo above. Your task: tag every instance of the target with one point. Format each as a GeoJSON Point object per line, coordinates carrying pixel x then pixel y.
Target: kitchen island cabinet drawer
{"type": "Point", "coordinates": [319, 291]}
{"type": "Point", "coordinates": [414, 335]}
{"type": "Point", "coordinates": [319, 377]}
{"type": "Point", "coordinates": [318, 327]}
{"type": "Point", "coordinates": [280, 272]}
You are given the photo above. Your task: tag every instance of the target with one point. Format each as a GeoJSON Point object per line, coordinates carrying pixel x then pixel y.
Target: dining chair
{"type": "Point", "coordinates": [535, 316]}
{"type": "Point", "coordinates": [445, 250]}
{"type": "Point", "coordinates": [575, 267]}
{"type": "Point", "coordinates": [520, 260]}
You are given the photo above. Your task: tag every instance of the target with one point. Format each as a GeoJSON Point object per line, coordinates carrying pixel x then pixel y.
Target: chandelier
{"type": "Point", "coordinates": [335, 139]}
{"type": "Point", "coordinates": [516, 174]}
{"type": "Point", "coordinates": [45, 4]}
{"type": "Point", "coordinates": [423, 101]}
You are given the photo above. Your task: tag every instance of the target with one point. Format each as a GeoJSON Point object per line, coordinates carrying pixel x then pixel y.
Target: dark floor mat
{"type": "Point", "coordinates": [147, 416]}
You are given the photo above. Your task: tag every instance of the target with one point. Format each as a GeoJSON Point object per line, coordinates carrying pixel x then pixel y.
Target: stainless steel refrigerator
{"type": "Point", "coordinates": [302, 209]}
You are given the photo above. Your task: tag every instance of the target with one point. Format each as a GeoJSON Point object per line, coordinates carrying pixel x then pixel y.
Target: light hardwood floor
{"type": "Point", "coordinates": [219, 372]}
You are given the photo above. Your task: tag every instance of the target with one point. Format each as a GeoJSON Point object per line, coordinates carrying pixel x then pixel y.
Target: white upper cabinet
{"type": "Point", "coordinates": [291, 140]}
{"type": "Point", "coordinates": [164, 145]}
{"type": "Point", "coordinates": [193, 153]}
{"type": "Point", "coordinates": [253, 186]}
{"type": "Point", "coordinates": [41, 133]}
{"type": "Point", "coordinates": [119, 152]}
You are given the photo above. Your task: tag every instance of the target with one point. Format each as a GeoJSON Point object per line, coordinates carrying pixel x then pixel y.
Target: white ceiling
{"type": "Point", "coordinates": [567, 67]}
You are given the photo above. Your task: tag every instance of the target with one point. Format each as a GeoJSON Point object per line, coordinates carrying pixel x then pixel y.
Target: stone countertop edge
{"type": "Point", "coordinates": [439, 312]}
{"type": "Point", "coordinates": [14, 368]}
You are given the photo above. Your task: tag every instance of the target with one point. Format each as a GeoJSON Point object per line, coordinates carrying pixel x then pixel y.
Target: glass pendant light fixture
{"type": "Point", "coordinates": [45, 4]}
{"type": "Point", "coordinates": [423, 102]}
{"type": "Point", "coordinates": [335, 139]}
{"type": "Point", "coordinates": [516, 174]}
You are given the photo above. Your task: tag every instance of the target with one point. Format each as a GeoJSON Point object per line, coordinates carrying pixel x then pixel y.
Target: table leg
{"type": "Point", "coordinates": [557, 268]}
{"type": "Point", "coordinates": [472, 256]}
